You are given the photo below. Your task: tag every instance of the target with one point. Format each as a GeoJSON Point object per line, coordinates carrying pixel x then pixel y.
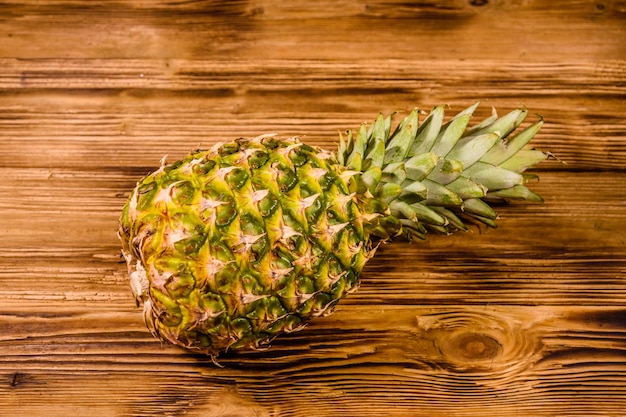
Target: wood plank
{"type": "Point", "coordinates": [76, 213]}
{"type": "Point", "coordinates": [143, 109]}
{"type": "Point", "coordinates": [485, 360]}
{"type": "Point", "coordinates": [526, 31]}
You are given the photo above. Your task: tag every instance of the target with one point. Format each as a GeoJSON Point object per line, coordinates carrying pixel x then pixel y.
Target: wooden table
{"type": "Point", "coordinates": [525, 320]}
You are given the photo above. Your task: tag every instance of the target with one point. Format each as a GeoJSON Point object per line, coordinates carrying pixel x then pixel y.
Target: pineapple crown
{"type": "Point", "coordinates": [437, 176]}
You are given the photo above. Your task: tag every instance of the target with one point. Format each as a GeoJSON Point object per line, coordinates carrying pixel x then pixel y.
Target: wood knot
{"type": "Point", "coordinates": [494, 341]}
{"type": "Point", "coordinates": [473, 347]}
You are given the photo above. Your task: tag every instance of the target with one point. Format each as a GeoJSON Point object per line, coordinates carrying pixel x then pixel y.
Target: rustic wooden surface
{"type": "Point", "coordinates": [525, 320]}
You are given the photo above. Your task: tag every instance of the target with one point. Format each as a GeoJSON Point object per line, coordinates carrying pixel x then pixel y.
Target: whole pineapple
{"type": "Point", "coordinates": [232, 246]}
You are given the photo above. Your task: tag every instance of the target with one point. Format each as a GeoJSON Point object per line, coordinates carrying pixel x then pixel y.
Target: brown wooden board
{"type": "Point", "coordinates": [525, 320]}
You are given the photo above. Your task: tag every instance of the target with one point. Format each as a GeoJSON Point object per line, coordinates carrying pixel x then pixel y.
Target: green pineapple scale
{"type": "Point", "coordinates": [232, 246]}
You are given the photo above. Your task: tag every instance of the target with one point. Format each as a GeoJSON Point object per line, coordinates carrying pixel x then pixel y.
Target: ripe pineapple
{"type": "Point", "coordinates": [232, 246]}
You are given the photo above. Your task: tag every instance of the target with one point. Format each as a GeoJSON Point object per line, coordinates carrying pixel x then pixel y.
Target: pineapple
{"type": "Point", "coordinates": [232, 246]}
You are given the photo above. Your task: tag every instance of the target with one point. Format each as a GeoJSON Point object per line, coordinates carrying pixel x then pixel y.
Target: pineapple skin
{"type": "Point", "coordinates": [233, 246]}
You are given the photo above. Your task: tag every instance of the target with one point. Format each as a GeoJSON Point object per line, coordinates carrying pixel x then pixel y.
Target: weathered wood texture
{"type": "Point", "coordinates": [525, 320]}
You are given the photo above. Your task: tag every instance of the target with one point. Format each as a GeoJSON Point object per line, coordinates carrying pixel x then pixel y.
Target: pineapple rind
{"type": "Point", "coordinates": [232, 246]}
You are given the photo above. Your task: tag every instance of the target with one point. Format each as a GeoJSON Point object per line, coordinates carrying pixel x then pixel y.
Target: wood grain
{"type": "Point", "coordinates": [525, 320]}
